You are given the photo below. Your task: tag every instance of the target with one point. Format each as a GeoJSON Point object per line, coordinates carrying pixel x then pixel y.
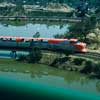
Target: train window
{"type": "Point", "coordinates": [22, 40]}
{"type": "Point", "coordinates": [40, 40]}
{"type": "Point", "coordinates": [26, 40]}
{"type": "Point", "coordinates": [73, 41]}
{"type": "Point", "coordinates": [13, 39]}
{"type": "Point", "coordinates": [35, 40]}
{"type": "Point", "coordinates": [1, 38]}
{"type": "Point", "coordinates": [8, 39]}
{"type": "Point", "coordinates": [4, 39]}
{"type": "Point", "coordinates": [66, 42]}
{"type": "Point", "coordinates": [31, 40]}
{"type": "Point", "coordinates": [45, 40]}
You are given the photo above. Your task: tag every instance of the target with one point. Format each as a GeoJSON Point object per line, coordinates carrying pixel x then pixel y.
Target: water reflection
{"type": "Point", "coordinates": [48, 75]}
{"type": "Point", "coordinates": [98, 86]}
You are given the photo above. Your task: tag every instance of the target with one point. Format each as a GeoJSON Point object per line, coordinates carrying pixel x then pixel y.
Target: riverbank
{"type": "Point", "coordinates": [52, 12]}
{"type": "Point", "coordinates": [41, 18]}
{"type": "Point", "coordinates": [48, 75]}
{"type": "Point", "coordinates": [68, 63]}
{"type": "Point", "coordinates": [73, 63]}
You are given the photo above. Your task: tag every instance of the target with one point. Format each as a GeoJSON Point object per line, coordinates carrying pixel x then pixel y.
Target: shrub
{"type": "Point", "coordinates": [78, 61]}
{"type": "Point", "coordinates": [35, 55]}
{"type": "Point", "coordinates": [97, 68]}
{"type": "Point", "coordinates": [21, 58]}
{"type": "Point", "coordinates": [88, 67]}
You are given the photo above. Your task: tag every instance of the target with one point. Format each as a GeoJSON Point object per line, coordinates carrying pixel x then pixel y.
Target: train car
{"type": "Point", "coordinates": [79, 46]}
{"type": "Point", "coordinates": [70, 45]}
{"type": "Point", "coordinates": [53, 44]}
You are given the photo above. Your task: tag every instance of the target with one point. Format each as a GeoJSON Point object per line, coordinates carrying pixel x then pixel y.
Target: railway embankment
{"type": "Point", "coordinates": [82, 64]}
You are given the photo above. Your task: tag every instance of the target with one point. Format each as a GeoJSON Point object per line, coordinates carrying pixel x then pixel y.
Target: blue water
{"type": "Point", "coordinates": [29, 30]}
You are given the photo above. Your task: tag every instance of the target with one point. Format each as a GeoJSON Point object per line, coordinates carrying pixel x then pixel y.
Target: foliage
{"type": "Point", "coordinates": [83, 28]}
{"type": "Point", "coordinates": [59, 36]}
{"type": "Point", "coordinates": [35, 55]}
{"type": "Point", "coordinates": [72, 2]}
{"type": "Point", "coordinates": [88, 67]}
{"type": "Point", "coordinates": [78, 61]}
{"type": "Point", "coordinates": [21, 58]}
{"type": "Point", "coordinates": [36, 35]}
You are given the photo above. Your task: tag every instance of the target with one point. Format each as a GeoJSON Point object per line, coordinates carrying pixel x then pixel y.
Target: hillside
{"type": "Point", "coordinates": [43, 2]}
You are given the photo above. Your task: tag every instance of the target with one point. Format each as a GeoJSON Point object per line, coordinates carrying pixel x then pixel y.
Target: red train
{"type": "Point", "coordinates": [65, 45]}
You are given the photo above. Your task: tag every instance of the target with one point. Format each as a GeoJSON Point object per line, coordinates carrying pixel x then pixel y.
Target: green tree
{"type": "Point", "coordinates": [36, 35]}
{"type": "Point", "coordinates": [83, 28]}
{"type": "Point", "coordinates": [35, 55]}
{"type": "Point", "coordinates": [61, 1]}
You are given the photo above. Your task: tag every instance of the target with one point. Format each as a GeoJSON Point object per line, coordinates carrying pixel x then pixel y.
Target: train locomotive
{"type": "Point", "coordinates": [52, 44]}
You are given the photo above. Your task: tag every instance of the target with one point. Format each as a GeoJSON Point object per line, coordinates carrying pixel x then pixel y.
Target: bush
{"type": "Point", "coordinates": [21, 58]}
{"type": "Point", "coordinates": [88, 67]}
{"type": "Point", "coordinates": [35, 55]}
{"type": "Point", "coordinates": [97, 68]}
{"type": "Point", "coordinates": [78, 61]}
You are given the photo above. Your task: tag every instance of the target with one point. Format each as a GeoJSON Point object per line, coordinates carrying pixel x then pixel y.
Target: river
{"type": "Point", "coordinates": [29, 29]}
{"type": "Point", "coordinates": [48, 75]}
{"type": "Point", "coordinates": [42, 73]}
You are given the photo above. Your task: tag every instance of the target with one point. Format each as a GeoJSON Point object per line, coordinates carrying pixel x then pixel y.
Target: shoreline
{"type": "Point", "coordinates": [41, 18]}
{"type": "Point", "coordinates": [68, 63]}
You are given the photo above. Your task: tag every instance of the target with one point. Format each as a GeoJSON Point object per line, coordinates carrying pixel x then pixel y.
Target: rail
{"type": "Point", "coordinates": [42, 18]}
{"type": "Point", "coordinates": [92, 55]}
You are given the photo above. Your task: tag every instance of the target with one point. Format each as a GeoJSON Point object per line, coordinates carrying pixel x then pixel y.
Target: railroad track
{"type": "Point", "coordinates": [92, 55]}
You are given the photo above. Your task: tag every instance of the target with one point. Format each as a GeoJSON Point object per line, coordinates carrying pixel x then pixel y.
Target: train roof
{"type": "Point", "coordinates": [49, 39]}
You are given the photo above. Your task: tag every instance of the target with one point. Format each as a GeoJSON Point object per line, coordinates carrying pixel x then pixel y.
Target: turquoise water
{"type": "Point", "coordinates": [52, 76]}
